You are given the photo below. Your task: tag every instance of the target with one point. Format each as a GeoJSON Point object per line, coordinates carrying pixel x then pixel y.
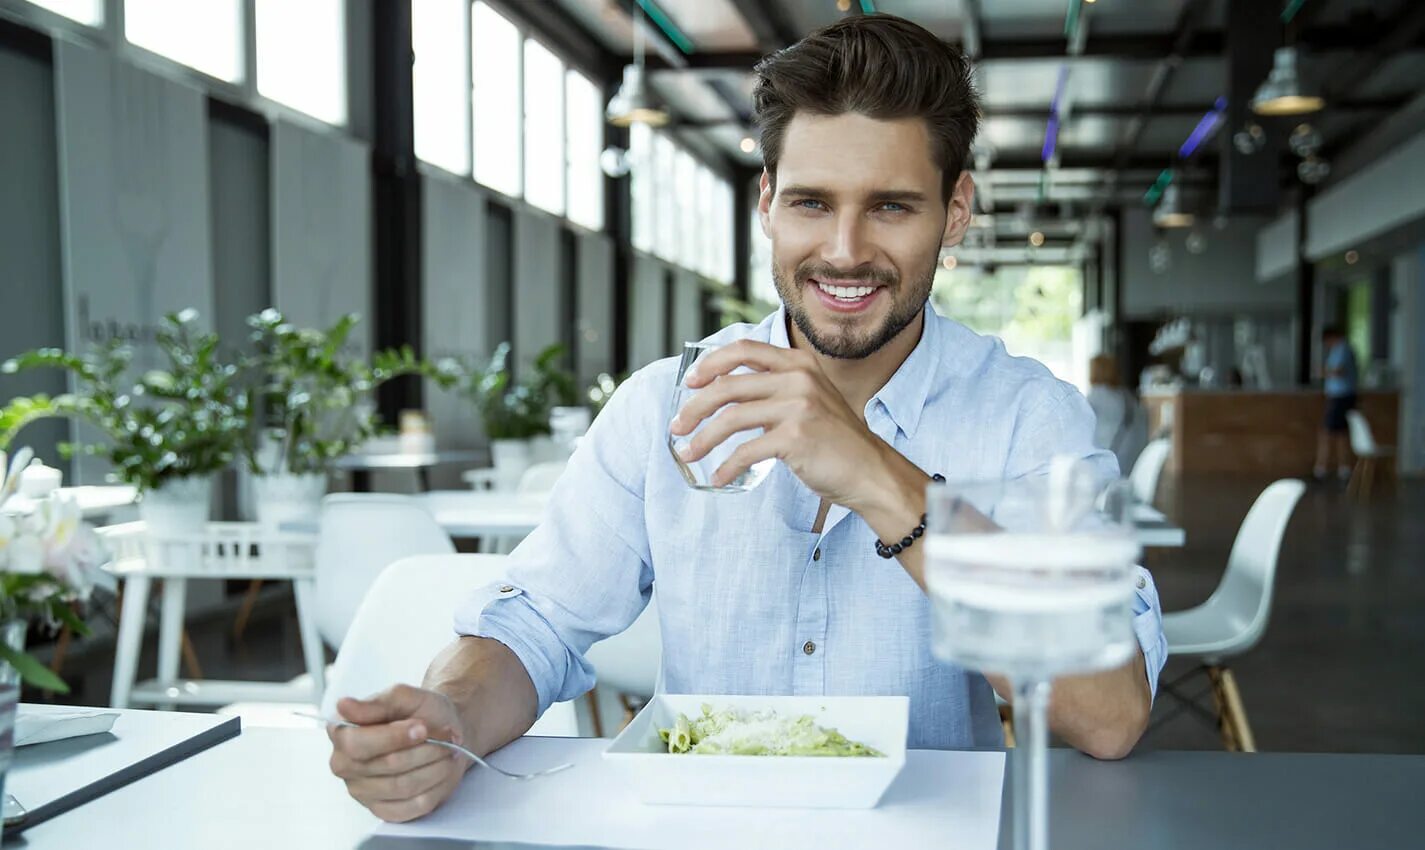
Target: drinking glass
{"type": "Point", "coordinates": [1032, 579]}
{"type": "Point", "coordinates": [699, 473]}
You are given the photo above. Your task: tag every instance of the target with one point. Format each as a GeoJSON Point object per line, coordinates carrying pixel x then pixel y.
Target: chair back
{"type": "Point", "coordinates": [1148, 468]}
{"type": "Point", "coordinates": [1363, 441]}
{"type": "Point", "coordinates": [405, 619]}
{"type": "Point", "coordinates": [540, 478]}
{"type": "Point", "coordinates": [1244, 597]}
{"type": "Point", "coordinates": [629, 662]}
{"type": "Point", "coordinates": [361, 535]}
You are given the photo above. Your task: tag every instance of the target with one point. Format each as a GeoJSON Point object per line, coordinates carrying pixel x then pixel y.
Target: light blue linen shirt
{"type": "Point", "coordinates": [750, 599]}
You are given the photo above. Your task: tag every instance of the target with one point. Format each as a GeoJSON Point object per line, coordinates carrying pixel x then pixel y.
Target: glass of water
{"type": "Point", "coordinates": [1032, 579]}
{"type": "Point", "coordinates": [699, 473]}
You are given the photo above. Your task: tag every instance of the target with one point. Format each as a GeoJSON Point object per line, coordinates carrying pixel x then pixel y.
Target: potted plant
{"type": "Point", "coordinates": [166, 433]}
{"type": "Point", "coordinates": [311, 400]}
{"type": "Point", "coordinates": [49, 561]}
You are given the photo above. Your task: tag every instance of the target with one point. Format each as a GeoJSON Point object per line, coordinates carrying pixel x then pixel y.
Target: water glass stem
{"type": "Point", "coordinates": [1031, 734]}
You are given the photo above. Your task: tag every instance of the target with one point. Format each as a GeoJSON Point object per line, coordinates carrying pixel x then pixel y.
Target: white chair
{"type": "Point", "coordinates": [540, 478]}
{"type": "Point", "coordinates": [405, 619]}
{"type": "Point", "coordinates": [1367, 452]}
{"type": "Point", "coordinates": [361, 535]}
{"type": "Point", "coordinates": [1148, 468]}
{"type": "Point", "coordinates": [1234, 618]}
{"type": "Point", "coordinates": [628, 663]}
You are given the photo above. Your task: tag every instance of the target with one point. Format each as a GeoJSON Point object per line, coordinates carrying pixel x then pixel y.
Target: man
{"type": "Point", "coordinates": [862, 393]}
{"type": "Point", "coordinates": [1340, 369]}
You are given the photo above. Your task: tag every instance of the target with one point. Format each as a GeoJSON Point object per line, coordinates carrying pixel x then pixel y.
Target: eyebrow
{"type": "Point", "coordinates": [881, 196]}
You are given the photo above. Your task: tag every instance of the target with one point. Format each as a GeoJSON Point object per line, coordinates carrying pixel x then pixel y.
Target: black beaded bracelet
{"type": "Point", "coordinates": [905, 542]}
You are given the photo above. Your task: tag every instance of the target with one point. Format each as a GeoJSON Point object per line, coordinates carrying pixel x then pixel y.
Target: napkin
{"type": "Point", "coordinates": [41, 727]}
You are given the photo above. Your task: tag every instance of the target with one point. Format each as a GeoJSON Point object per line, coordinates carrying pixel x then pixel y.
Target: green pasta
{"type": "Point", "coordinates": [764, 733]}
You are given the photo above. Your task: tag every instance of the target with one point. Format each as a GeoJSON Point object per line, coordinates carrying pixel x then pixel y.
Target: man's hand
{"type": "Point", "coordinates": [386, 763]}
{"type": "Point", "coordinates": [806, 423]}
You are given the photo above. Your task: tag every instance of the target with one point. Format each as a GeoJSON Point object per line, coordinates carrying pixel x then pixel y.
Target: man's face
{"type": "Point", "coordinates": [856, 224]}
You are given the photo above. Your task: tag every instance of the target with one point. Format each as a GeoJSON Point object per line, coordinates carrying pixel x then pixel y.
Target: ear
{"type": "Point", "coordinates": [960, 208]}
{"type": "Point", "coordinates": [764, 202]}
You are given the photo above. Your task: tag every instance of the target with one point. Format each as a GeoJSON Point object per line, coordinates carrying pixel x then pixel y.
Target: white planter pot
{"type": "Point", "coordinates": [510, 458]}
{"type": "Point", "coordinates": [179, 508]}
{"type": "Point", "coordinates": [283, 497]}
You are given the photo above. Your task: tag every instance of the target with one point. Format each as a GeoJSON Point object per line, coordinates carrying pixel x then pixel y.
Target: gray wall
{"type": "Point", "coordinates": [594, 320]}
{"type": "Point", "coordinates": [135, 210]}
{"type": "Point", "coordinates": [538, 291]}
{"type": "Point", "coordinates": [321, 229]}
{"type": "Point", "coordinates": [1221, 281]}
{"type": "Point", "coordinates": [456, 319]}
{"type": "Point", "coordinates": [647, 309]}
{"type": "Point", "coordinates": [31, 289]}
{"type": "Point", "coordinates": [687, 308]}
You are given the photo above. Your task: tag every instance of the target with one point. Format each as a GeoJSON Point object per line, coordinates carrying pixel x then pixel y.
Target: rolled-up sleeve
{"type": "Point", "coordinates": [1148, 626]}
{"type": "Point", "coordinates": [585, 572]}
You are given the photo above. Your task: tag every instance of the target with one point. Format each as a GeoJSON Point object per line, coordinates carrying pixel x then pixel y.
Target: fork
{"type": "Point", "coordinates": [450, 746]}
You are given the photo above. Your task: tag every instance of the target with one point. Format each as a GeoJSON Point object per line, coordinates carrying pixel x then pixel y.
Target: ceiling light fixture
{"type": "Point", "coordinates": [1352, 257]}
{"type": "Point", "coordinates": [1206, 126]}
{"type": "Point", "coordinates": [950, 262]}
{"type": "Point", "coordinates": [843, 5]}
{"type": "Point", "coordinates": [1169, 211]}
{"type": "Point", "coordinates": [1036, 238]}
{"type": "Point", "coordinates": [748, 144]}
{"type": "Point", "coordinates": [634, 102]}
{"type": "Point", "coordinates": [1282, 92]}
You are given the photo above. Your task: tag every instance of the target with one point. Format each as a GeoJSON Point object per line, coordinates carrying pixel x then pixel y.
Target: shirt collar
{"type": "Point", "coordinates": [904, 395]}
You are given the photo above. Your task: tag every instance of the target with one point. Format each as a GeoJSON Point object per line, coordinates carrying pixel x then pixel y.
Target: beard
{"type": "Point", "coordinates": [841, 339]}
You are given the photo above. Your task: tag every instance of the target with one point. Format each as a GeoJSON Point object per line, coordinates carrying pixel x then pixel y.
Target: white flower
{"type": "Point", "coordinates": [8, 532]}
{"type": "Point", "coordinates": [26, 555]}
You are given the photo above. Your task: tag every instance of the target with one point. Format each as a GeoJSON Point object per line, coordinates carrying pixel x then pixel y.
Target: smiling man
{"type": "Point", "coordinates": [862, 392]}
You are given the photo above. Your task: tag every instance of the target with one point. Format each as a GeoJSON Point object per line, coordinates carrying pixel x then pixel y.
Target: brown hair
{"type": "Point", "coordinates": [882, 67]}
{"type": "Point", "coordinates": [1103, 371]}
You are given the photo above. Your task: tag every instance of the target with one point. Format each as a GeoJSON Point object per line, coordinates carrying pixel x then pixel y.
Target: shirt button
{"type": "Point", "coordinates": [1142, 582]}
{"type": "Point", "coordinates": [816, 555]}
{"type": "Point", "coordinates": [808, 647]}
{"type": "Point", "coordinates": [506, 589]}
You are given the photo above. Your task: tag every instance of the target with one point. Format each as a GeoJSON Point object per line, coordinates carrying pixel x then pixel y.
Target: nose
{"type": "Point", "coordinates": [847, 246]}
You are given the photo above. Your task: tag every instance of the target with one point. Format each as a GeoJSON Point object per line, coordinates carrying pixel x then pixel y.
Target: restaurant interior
{"type": "Point", "coordinates": [307, 307]}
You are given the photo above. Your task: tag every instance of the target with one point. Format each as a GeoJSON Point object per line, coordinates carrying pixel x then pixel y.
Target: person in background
{"type": "Point", "coordinates": [1121, 424]}
{"type": "Point", "coordinates": [1340, 373]}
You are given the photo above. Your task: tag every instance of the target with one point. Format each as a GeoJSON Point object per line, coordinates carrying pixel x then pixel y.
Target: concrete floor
{"type": "Point", "coordinates": [1338, 670]}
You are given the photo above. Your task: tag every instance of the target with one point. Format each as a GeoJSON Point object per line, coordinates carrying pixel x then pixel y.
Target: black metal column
{"type": "Point", "coordinates": [618, 223]}
{"type": "Point", "coordinates": [1248, 182]}
{"type": "Point", "coordinates": [1305, 292]}
{"type": "Point", "coordinates": [396, 200]}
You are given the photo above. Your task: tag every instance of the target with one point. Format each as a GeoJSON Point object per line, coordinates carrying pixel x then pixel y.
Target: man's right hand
{"type": "Point", "coordinates": [386, 763]}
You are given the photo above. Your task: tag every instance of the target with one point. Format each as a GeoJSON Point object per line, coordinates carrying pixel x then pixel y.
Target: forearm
{"type": "Point", "coordinates": [893, 505]}
{"type": "Point", "coordinates": [490, 689]}
{"type": "Point", "coordinates": [1101, 714]}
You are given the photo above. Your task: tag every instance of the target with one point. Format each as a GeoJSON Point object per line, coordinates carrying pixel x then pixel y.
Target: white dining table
{"type": "Point", "coordinates": [485, 513]}
{"type": "Point", "coordinates": [1154, 531]}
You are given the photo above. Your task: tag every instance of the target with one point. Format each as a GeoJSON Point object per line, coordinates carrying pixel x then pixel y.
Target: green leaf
{"type": "Point", "coordinates": [32, 671]}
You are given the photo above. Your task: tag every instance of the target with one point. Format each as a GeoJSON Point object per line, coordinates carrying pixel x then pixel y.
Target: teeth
{"type": "Point", "coordinates": [846, 293]}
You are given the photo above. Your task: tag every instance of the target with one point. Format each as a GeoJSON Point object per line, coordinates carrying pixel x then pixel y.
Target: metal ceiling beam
{"type": "Point", "coordinates": [1405, 30]}
{"type": "Point", "coordinates": [564, 34]}
{"type": "Point", "coordinates": [1144, 47]}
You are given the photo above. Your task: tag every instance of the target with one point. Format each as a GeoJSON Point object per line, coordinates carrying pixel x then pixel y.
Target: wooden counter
{"type": "Point", "coordinates": [1255, 432]}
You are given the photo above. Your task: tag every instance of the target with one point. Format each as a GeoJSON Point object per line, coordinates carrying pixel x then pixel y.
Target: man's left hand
{"type": "Point", "coordinates": [806, 423]}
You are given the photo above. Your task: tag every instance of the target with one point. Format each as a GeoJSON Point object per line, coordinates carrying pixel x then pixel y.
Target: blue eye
{"type": "Point", "coordinates": [892, 206]}
{"type": "Point", "coordinates": [806, 203]}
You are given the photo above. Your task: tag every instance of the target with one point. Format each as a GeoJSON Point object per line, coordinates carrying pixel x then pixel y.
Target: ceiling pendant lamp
{"type": "Point", "coordinates": [1282, 92]}
{"type": "Point", "coordinates": [1170, 213]}
{"type": "Point", "coordinates": [634, 102]}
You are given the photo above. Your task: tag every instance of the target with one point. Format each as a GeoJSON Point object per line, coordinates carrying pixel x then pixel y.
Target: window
{"type": "Point", "coordinates": [706, 236]}
{"type": "Point", "coordinates": [439, 78]}
{"type": "Point", "coordinates": [206, 36]}
{"type": "Point", "coordinates": [584, 125]}
{"type": "Point", "coordinates": [722, 226]}
{"type": "Point", "coordinates": [665, 209]}
{"type": "Point", "coordinates": [759, 263]}
{"type": "Point", "coordinates": [1031, 308]}
{"type": "Point", "coordinates": [642, 186]}
{"type": "Point", "coordinates": [89, 12]}
{"type": "Point", "coordinates": [685, 201]}
{"type": "Point", "coordinates": [543, 128]}
{"type": "Point", "coordinates": [301, 55]}
{"type": "Point", "coordinates": [495, 68]}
